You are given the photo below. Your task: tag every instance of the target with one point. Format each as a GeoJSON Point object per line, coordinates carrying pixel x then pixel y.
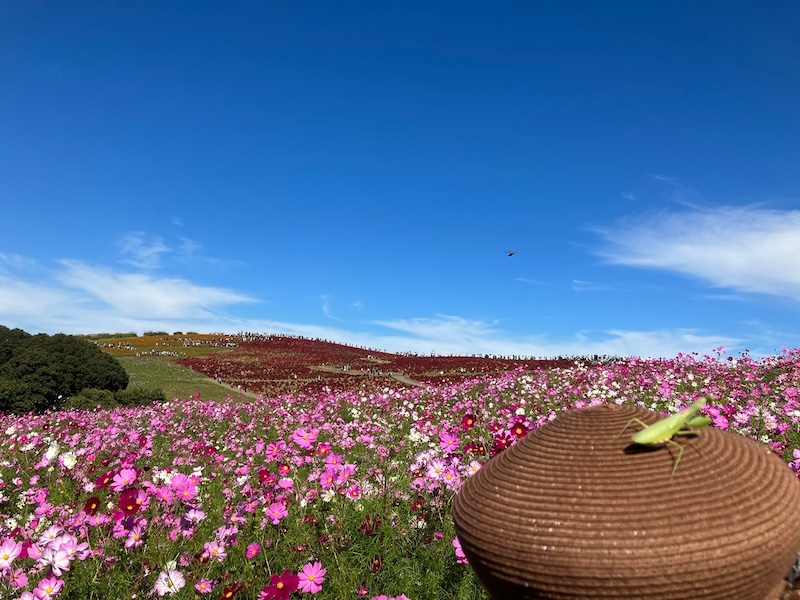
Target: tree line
{"type": "Point", "coordinates": [56, 372]}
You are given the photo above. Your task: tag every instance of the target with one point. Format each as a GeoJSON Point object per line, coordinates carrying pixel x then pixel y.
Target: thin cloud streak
{"type": "Point", "coordinates": [84, 299]}
{"type": "Point", "coordinates": [748, 249]}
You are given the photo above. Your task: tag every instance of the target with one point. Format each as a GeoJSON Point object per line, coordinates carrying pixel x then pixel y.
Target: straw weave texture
{"type": "Point", "coordinates": [571, 512]}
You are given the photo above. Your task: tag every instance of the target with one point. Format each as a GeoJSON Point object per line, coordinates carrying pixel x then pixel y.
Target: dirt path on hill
{"type": "Point", "coordinates": [233, 389]}
{"type": "Point", "coordinates": [406, 380]}
{"type": "Point", "coordinates": [395, 376]}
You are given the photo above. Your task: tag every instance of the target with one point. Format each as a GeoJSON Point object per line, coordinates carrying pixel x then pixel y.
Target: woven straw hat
{"type": "Point", "coordinates": [573, 511]}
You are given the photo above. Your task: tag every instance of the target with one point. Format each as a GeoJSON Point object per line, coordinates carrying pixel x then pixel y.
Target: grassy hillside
{"type": "Point", "coordinates": [176, 381]}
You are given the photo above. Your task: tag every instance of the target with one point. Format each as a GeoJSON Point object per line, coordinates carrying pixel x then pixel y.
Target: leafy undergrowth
{"type": "Point", "coordinates": [338, 494]}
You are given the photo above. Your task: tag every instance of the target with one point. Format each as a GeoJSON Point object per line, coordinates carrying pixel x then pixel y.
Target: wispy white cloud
{"type": "Point", "coordinates": [16, 262]}
{"type": "Point", "coordinates": [325, 304]}
{"type": "Point", "coordinates": [83, 298]}
{"type": "Point", "coordinates": [529, 281]}
{"type": "Point", "coordinates": [142, 251]}
{"type": "Point", "coordinates": [749, 249]}
{"type": "Point", "coordinates": [455, 335]}
{"type": "Point", "coordinates": [580, 285]}
{"type": "Point", "coordinates": [132, 294]}
{"type": "Point", "coordinates": [663, 178]}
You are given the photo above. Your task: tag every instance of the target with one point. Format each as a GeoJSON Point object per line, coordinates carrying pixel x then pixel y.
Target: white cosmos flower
{"type": "Point", "coordinates": [52, 452]}
{"type": "Point", "coordinates": [69, 460]}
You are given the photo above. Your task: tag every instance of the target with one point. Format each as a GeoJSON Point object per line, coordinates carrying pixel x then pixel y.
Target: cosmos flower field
{"type": "Point", "coordinates": [333, 494]}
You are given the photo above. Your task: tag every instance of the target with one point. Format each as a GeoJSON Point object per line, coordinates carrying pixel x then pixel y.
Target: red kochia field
{"type": "Point", "coordinates": [334, 493]}
{"type": "Point", "coordinates": [271, 364]}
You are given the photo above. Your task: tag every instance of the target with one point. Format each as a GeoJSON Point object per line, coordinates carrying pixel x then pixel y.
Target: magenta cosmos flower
{"type": "Point", "coordinates": [311, 578]}
{"type": "Point", "coordinates": [252, 551]}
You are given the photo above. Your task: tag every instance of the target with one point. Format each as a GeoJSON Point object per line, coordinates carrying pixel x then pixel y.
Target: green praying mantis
{"type": "Point", "coordinates": [660, 433]}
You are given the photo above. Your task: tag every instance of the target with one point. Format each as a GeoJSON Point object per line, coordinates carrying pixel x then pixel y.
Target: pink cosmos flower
{"type": "Point", "coordinates": [48, 588]}
{"type": "Point", "coordinates": [328, 478]}
{"type": "Point", "coordinates": [50, 535]}
{"type": "Point", "coordinates": [170, 582]}
{"type": "Point", "coordinates": [123, 479]}
{"type": "Point", "coordinates": [305, 439]}
{"type": "Point", "coordinates": [461, 558]}
{"type": "Point", "coordinates": [9, 550]}
{"type": "Point", "coordinates": [436, 468]}
{"type": "Point", "coordinates": [215, 550]}
{"type": "Point", "coordinates": [184, 487]}
{"type": "Point", "coordinates": [58, 560]}
{"type": "Point", "coordinates": [312, 576]}
{"type": "Point", "coordinates": [449, 442]}
{"type": "Point", "coordinates": [334, 460]}
{"type": "Point", "coordinates": [277, 512]}
{"type": "Point", "coordinates": [204, 586]}
{"type": "Point", "coordinates": [75, 550]}
{"type": "Point", "coordinates": [253, 551]}
{"type": "Point", "coordinates": [134, 539]}
{"type": "Point", "coordinates": [795, 464]}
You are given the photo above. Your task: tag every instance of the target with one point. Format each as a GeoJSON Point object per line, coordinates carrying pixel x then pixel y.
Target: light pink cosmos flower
{"type": "Point", "coordinates": [9, 550]}
{"type": "Point", "coordinates": [134, 539]}
{"type": "Point", "coordinates": [48, 588]}
{"type": "Point", "coordinates": [34, 552]}
{"type": "Point", "coordinates": [169, 582]}
{"type": "Point", "coordinates": [77, 550]}
{"type": "Point", "coordinates": [50, 535]}
{"type": "Point", "coordinates": [215, 550]}
{"type": "Point", "coordinates": [58, 560]}
{"type": "Point", "coordinates": [277, 512]}
{"type": "Point", "coordinates": [435, 469]}
{"type": "Point", "coordinates": [312, 576]}
{"type": "Point", "coordinates": [123, 479]}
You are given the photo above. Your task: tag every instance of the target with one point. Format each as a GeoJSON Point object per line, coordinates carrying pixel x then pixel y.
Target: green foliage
{"type": "Point", "coordinates": [140, 396]}
{"type": "Point", "coordinates": [40, 372]}
{"type": "Point", "coordinates": [154, 333]}
{"type": "Point", "coordinates": [18, 398]}
{"type": "Point", "coordinates": [90, 399]}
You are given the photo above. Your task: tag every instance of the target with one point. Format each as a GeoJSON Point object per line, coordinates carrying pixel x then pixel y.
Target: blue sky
{"type": "Point", "coordinates": [357, 171]}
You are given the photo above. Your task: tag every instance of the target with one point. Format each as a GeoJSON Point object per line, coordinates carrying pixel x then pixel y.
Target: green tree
{"type": "Point", "coordinates": [51, 369]}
